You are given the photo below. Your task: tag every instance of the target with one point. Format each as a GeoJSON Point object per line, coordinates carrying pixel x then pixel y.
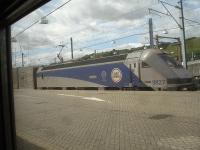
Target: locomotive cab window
{"type": "Point", "coordinates": [171, 62]}
{"type": "Point", "coordinates": [134, 65]}
{"type": "Point", "coordinates": [145, 65]}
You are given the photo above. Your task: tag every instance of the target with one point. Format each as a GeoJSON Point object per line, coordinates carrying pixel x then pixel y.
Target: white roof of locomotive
{"type": "Point", "coordinates": [143, 54]}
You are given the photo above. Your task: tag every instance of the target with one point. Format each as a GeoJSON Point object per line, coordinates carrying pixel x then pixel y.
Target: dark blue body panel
{"type": "Point", "coordinates": [99, 74]}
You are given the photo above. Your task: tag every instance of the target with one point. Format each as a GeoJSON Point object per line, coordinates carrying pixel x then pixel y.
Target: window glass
{"type": "Point", "coordinates": [79, 82]}
{"type": "Point", "coordinates": [171, 62]}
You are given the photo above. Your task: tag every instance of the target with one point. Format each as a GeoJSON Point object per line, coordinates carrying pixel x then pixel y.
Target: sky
{"type": "Point", "coordinates": [95, 25]}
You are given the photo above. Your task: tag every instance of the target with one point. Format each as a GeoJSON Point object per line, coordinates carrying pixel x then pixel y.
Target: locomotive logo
{"type": "Point", "coordinates": [116, 75]}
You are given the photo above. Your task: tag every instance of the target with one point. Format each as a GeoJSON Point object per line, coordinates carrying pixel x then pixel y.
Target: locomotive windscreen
{"type": "Point", "coordinates": [171, 62]}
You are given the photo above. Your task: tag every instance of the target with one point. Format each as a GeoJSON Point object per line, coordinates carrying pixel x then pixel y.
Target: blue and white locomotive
{"type": "Point", "coordinates": [150, 68]}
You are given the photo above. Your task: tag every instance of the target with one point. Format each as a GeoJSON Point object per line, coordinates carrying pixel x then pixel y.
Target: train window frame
{"type": "Point", "coordinates": [11, 11]}
{"type": "Point", "coordinates": [10, 78]}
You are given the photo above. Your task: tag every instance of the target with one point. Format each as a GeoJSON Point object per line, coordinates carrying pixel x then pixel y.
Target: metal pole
{"type": "Point", "coordinates": [151, 32]}
{"type": "Point", "coordinates": [71, 40]}
{"type": "Point", "coordinates": [179, 50]}
{"type": "Point", "coordinates": [22, 59]}
{"type": "Point", "coordinates": [192, 56]}
{"type": "Point", "coordinates": [183, 41]}
{"type": "Point", "coordinates": [15, 58]}
{"type": "Point", "coordinates": [95, 53]}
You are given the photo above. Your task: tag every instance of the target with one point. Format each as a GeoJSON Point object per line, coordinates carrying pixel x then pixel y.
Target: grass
{"type": "Point", "coordinates": [192, 46]}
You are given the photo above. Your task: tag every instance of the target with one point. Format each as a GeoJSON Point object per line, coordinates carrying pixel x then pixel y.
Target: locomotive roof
{"type": "Point", "coordinates": [87, 62]}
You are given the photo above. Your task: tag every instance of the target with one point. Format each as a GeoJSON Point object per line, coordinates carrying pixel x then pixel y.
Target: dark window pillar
{"type": "Point", "coordinates": [7, 124]}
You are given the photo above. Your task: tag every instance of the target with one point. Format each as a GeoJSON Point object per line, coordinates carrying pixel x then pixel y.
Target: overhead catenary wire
{"type": "Point", "coordinates": [190, 20]}
{"type": "Point", "coordinates": [116, 39]}
{"type": "Point", "coordinates": [120, 33]}
{"type": "Point", "coordinates": [135, 34]}
{"type": "Point", "coordinates": [51, 59]}
{"type": "Point", "coordinates": [175, 6]}
{"type": "Point", "coordinates": [78, 30]}
{"type": "Point", "coordinates": [116, 17]}
{"type": "Point", "coordinates": [109, 40]}
{"type": "Point", "coordinates": [42, 17]}
{"type": "Point", "coordinates": [169, 14]}
{"type": "Point", "coordinates": [109, 33]}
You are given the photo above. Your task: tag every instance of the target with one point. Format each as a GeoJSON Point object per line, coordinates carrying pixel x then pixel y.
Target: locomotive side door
{"type": "Point", "coordinates": [137, 72]}
{"type": "Point", "coordinates": [134, 68]}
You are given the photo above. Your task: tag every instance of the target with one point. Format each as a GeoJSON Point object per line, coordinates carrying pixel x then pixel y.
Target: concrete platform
{"type": "Point", "coordinates": [108, 120]}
